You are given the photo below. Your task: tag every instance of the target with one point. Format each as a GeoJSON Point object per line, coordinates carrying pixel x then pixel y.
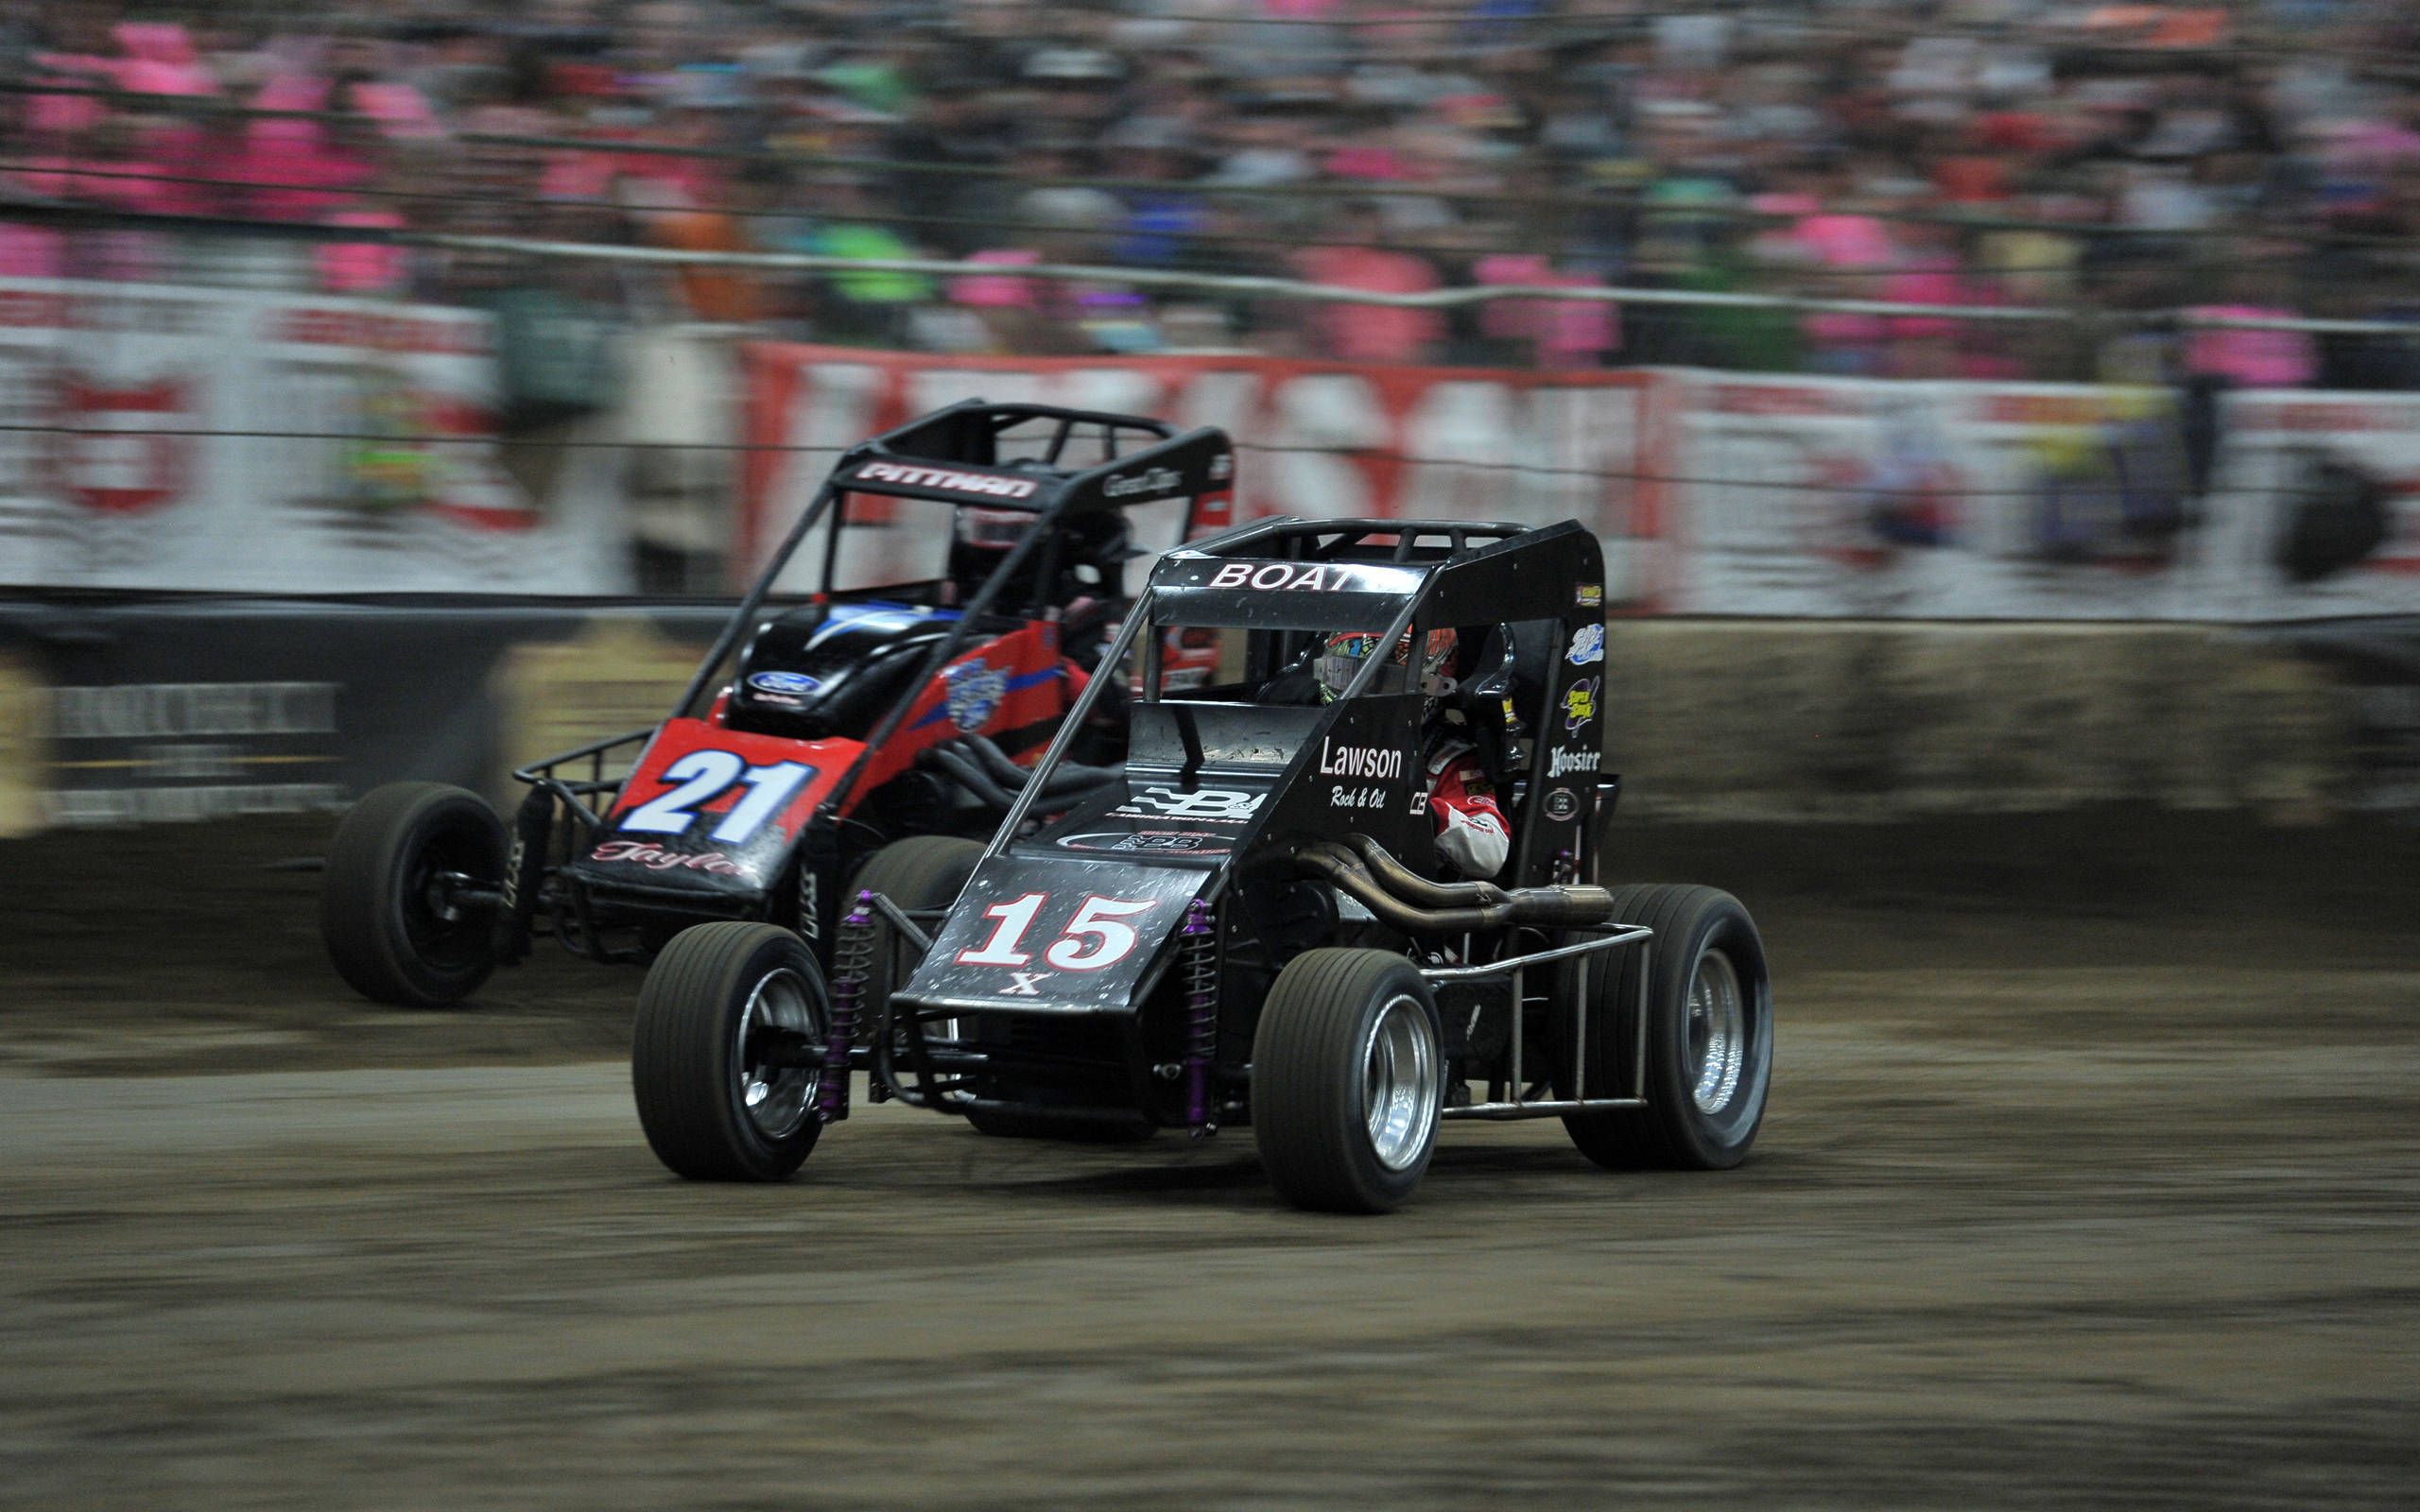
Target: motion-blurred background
{"type": "Point", "coordinates": [2002, 418]}
{"type": "Point", "coordinates": [1864, 316]}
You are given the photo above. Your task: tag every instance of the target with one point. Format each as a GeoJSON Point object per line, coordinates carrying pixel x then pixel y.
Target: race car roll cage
{"type": "Point", "coordinates": [962, 438]}
{"type": "Point", "coordinates": [1394, 892]}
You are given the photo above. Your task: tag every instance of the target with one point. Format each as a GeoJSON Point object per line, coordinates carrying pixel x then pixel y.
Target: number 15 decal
{"type": "Point", "coordinates": [1102, 918]}
{"type": "Point", "coordinates": [706, 774]}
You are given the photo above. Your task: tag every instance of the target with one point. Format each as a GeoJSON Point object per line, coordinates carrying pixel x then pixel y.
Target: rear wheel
{"type": "Point", "coordinates": [719, 1005]}
{"type": "Point", "coordinates": [393, 912]}
{"type": "Point", "coordinates": [1347, 1080]}
{"type": "Point", "coordinates": [1709, 1035]}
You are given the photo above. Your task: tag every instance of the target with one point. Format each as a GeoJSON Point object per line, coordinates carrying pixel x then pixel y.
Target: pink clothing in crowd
{"type": "Point", "coordinates": [1851, 243]}
{"type": "Point", "coordinates": [2252, 359]}
{"type": "Point", "coordinates": [363, 267]}
{"type": "Point", "coordinates": [1372, 333]}
{"type": "Point", "coordinates": [1563, 333]}
{"type": "Point", "coordinates": [996, 291]}
{"type": "Point", "coordinates": [31, 252]}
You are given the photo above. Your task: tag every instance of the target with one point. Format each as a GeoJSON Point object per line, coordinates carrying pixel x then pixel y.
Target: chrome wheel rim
{"type": "Point", "coordinates": [1718, 1032]}
{"type": "Point", "coordinates": [1399, 1082]}
{"type": "Point", "coordinates": [775, 1099]}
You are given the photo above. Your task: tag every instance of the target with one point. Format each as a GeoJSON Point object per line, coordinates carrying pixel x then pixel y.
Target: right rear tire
{"type": "Point", "coordinates": [1710, 1036]}
{"type": "Point", "coordinates": [1347, 1080]}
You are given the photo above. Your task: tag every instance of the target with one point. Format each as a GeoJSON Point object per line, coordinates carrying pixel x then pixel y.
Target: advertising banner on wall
{"type": "Point", "coordinates": [1806, 496]}
{"type": "Point", "coordinates": [1746, 495]}
{"type": "Point", "coordinates": [181, 711]}
{"type": "Point", "coordinates": [244, 441]}
{"type": "Point", "coordinates": [1311, 438]}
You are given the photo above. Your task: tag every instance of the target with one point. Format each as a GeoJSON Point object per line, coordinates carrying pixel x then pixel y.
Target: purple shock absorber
{"type": "Point", "coordinates": [1202, 1013]}
{"type": "Point", "coordinates": [853, 955]}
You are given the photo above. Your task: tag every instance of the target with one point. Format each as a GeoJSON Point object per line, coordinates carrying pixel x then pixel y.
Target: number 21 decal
{"type": "Point", "coordinates": [706, 774]}
{"type": "Point", "coordinates": [1100, 921]}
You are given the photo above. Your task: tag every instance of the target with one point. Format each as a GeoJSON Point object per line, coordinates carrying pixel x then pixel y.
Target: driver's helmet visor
{"type": "Point", "coordinates": [992, 529]}
{"type": "Point", "coordinates": [1341, 658]}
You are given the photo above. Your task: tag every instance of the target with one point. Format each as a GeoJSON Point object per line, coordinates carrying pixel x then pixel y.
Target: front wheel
{"type": "Point", "coordinates": [713, 1063]}
{"type": "Point", "coordinates": [1710, 1036]}
{"type": "Point", "coordinates": [396, 912]}
{"type": "Point", "coordinates": [1347, 1080]}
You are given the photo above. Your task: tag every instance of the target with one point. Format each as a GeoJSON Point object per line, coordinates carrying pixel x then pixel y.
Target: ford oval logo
{"type": "Point", "coordinates": [782, 682]}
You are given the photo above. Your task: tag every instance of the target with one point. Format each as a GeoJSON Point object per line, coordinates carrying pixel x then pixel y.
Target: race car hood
{"type": "Point", "coordinates": [1079, 917]}
{"type": "Point", "coordinates": [709, 814]}
{"type": "Point", "coordinates": [1057, 934]}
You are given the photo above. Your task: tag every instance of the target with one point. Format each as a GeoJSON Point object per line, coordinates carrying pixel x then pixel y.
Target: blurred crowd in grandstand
{"type": "Point", "coordinates": [2257, 158]}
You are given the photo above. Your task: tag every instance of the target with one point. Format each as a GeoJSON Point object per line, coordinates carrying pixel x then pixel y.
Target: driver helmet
{"type": "Point", "coordinates": [980, 540]}
{"type": "Point", "coordinates": [1346, 651]}
{"type": "Point", "coordinates": [992, 529]}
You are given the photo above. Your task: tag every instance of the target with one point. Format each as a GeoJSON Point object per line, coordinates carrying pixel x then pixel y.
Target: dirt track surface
{"type": "Point", "coordinates": [2053, 1208]}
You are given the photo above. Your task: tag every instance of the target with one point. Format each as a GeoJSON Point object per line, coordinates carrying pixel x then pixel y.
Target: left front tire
{"type": "Point", "coordinates": [1347, 1080]}
{"type": "Point", "coordinates": [718, 1003]}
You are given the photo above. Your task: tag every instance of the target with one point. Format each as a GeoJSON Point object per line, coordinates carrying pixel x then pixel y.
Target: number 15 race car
{"type": "Point", "coordinates": [852, 718]}
{"type": "Point", "coordinates": [1249, 925]}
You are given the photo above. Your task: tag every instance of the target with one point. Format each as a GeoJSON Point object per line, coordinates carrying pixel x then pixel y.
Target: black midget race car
{"type": "Point", "coordinates": [854, 718]}
{"type": "Point", "coordinates": [1246, 925]}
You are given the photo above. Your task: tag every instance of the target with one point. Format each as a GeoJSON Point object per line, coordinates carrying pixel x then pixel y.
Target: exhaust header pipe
{"type": "Point", "coordinates": [1406, 900]}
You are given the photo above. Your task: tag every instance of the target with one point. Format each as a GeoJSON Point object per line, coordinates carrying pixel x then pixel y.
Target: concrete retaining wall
{"type": "Point", "coordinates": [1878, 720]}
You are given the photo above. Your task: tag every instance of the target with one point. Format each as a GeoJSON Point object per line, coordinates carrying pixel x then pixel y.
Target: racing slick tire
{"type": "Point", "coordinates": [1710, 1036]}
{"type": "Point", "coordinates": [921, 871]}
{"type": "Point", "coordinates": [1348, 1077]}
{"type": "Point", "coordinates": [390, 931]}
{"type": "Point", "coordinates": [711, 1110]}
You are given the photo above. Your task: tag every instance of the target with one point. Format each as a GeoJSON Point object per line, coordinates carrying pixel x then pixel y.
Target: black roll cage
{"type": "Point", "coordinates": [961, 440]}
{"type": "Point", "coordinates": [1475, 571]}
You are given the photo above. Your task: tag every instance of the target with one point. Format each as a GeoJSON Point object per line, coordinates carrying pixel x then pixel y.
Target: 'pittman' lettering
{"type": "Point", "coordinates": [935, 477]}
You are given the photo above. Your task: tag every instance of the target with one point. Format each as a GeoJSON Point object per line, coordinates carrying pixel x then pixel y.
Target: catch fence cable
{"type": "Point", "coordinates": [2285, 251]}
{"type": "Point", "coordinates": [1605, 474]}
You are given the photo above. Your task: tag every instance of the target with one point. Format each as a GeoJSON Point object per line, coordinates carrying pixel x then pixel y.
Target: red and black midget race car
{"type": "Point", "coordinates": [1252, 925]}
{"type": "Point", "coordinates": [812, 734]}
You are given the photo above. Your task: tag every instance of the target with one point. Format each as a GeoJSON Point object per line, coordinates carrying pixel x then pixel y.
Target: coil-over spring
{"type": "Point", "coordinates": [851, 960]}
{"type": "Point", "coordinates": [1199, 943]}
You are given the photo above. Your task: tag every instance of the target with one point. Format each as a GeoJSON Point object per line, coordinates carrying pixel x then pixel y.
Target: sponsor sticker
{"type": "Point", "coordinates": [974, 691]}
{"type": "Point", "coordinates": [656, 858]}
{"type": "Point", "coordinates": [1131, 485]}
{"type": "Point", "coordinates": [789, 683]}
{"type": "Point", "coordinates": [1151, 842]}
{"type": "Point", "coordinates": [1561, 804]}
{"type": "Point", "coordinates": [1222, 467]}
{"type": "Point", "coordinates": [947, 478]}
{"type": "Point", "coordinates": [1564, 762]}
{"type": "Point", "coordinates": [1217, 805]}
{"type": "Point", "coordinates": [1313, 577]}
{"type": "Point", "coordinates": [1358, 761]}
{"type": "Point", "coordinates": [1587, 646]}
{"type": "Point", "coordinates": [1580, 704]}
{"type": "Point", "coordinates": [1591, 595]}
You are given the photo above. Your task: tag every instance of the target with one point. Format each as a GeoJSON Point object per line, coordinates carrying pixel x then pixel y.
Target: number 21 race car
{"type": "Point", "coordinates": [820, 726]}
{"type": "Point", "coordinates": [1253, 923]}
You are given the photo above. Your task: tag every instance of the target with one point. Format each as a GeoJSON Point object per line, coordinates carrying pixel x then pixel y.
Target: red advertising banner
{"type": "Point", "coordinates": [1314, 439]}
